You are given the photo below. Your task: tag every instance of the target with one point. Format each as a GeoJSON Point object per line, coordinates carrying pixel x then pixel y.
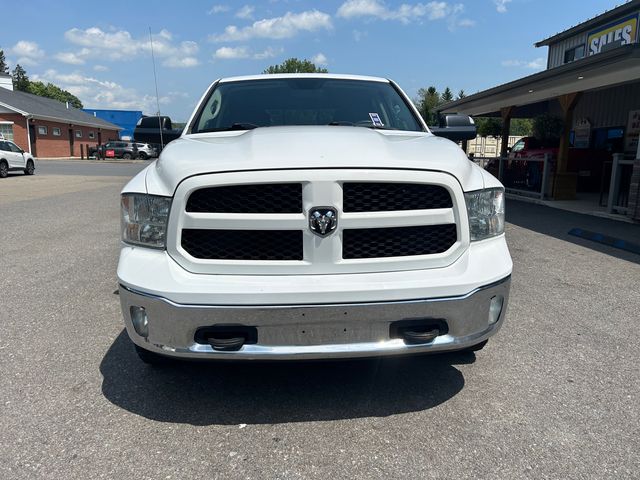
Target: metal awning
{"type": "Point", "coordinates": [607, 69]}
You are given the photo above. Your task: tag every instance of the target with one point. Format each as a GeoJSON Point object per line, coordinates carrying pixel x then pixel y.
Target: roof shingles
{"type": "Point", "coordinates": [51, 109]}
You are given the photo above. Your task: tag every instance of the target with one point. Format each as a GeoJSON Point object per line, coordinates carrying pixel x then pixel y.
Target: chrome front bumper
{"type": "Point", "coordinates": [315, 331]}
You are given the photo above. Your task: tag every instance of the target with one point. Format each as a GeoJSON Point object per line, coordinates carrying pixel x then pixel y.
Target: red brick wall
{"type": "Point", "coordinates": [19, 128]}
{"type": "Point", "coordinates": [51, 146]}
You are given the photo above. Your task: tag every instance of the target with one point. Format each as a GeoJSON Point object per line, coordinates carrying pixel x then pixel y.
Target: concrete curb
{"type": "Point", "coordinates": [552, 204]}
{"type": "Point", "coordinates": [77, 159]}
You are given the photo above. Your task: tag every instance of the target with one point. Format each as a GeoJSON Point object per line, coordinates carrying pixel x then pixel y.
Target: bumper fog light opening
{"type": "Point", "coordinates": [140, 321]}
{"type": "Point", "coordinates": [495, 308]}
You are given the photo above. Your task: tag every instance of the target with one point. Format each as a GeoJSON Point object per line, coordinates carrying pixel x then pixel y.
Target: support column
{"type": "Point", "coordinates": [506, 128]}
{"type": "Point", "coordinates": [566, 183]}
{"type": "Point", "coordinates": [634, 190]}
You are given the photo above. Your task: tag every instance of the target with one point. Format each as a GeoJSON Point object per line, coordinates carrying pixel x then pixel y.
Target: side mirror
{"type": "Point", "coordinates": [456, 128]}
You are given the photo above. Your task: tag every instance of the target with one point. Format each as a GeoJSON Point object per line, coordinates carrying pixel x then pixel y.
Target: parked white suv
{"type": "Point", "coordinates": [312, 216]}
{"type": "Point", "coordinates": [13, 158]}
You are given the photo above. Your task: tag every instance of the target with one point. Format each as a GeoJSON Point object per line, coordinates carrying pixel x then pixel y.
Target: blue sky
{"type": "Point", "coordinates": [101, 53]}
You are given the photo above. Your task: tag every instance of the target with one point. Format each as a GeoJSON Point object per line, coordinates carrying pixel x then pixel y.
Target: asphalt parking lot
{"type": "Point", "coordinates": [555, 394]}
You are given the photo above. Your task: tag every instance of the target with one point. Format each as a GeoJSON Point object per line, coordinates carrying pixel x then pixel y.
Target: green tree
{"type": "Point", "coordinates": [521, 127]}
{"type": "Point", "coordinates": [427, 102]}
{"type": "Point", "coordinates": [295, 65]}
{"type": "Point", "coordinates": [20, 79]}
{"type": "Point", "coordinates": [4, 68]}
{"type": "Point", "coordinates": [49, 90]}
{"type": "Point", "coordinates": [461, 94]}
{"type": "Point", "coordinates": [547, 129]}
{"type": "Point", "coordinates": [489, 126]}
{"type": "Point", "coordinates": [447, 95]}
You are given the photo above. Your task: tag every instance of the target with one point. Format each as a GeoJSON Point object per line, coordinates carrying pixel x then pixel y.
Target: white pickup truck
{"type": "Point", "coordinates": [312, 216]}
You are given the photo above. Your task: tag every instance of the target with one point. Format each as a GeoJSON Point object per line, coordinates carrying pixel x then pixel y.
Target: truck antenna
{"type": "Point", "coordinates": [155, 79]}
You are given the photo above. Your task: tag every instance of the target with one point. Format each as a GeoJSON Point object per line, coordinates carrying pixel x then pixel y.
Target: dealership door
{"type": "Point", "coordinates": [32, 139]}
{"type": "Point", "coordinates": [71, 142]}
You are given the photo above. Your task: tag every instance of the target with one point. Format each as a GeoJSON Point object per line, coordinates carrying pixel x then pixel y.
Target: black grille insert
{"type": "Point", "coordinates": [243, 244]}
{"type": "Point", "coordinates": [385, 197]}
{"type": "Point", "coordinates": [254, 198]}
{"type": "Point", "coordinates": [398, 242]}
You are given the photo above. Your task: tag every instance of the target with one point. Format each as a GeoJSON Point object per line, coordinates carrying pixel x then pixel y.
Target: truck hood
{"type": "Point", "coordinates": [276, 148]}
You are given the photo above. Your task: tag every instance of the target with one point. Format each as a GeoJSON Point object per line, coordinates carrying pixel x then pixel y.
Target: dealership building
{"type": "Point", "coordinates": [592, 82]}
{"type": "Point", "coordinates": [47, 128]}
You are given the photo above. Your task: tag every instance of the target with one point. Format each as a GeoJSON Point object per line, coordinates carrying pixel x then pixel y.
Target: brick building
{"type": "Point", "coordinates": [48, 128]}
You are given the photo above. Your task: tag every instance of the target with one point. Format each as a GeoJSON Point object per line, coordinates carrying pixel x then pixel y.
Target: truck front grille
{"type": "Point", "coordinates": [243, 244]}
{"type": "Point", "coordinates": [252, 198]}
{"type": "Point", "coordinates": [260, 222]}
{"type": "Point", "coordinates": [397, 242]}
{"type": "Point", "coordinates": [385, 197]}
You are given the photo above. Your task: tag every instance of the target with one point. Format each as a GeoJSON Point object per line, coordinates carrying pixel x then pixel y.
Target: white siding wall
{"type": "Point", "coordinates": [610, 107]}
{"type": "Point", "coordinates": [556, 51]}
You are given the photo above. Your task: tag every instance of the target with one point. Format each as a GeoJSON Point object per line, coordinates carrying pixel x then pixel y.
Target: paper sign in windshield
{"type": "Point", "coordinates": [375, 119]}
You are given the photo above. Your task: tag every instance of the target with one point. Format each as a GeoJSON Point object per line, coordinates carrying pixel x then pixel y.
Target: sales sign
{"type": "Point", "coordinates": [621, 32]}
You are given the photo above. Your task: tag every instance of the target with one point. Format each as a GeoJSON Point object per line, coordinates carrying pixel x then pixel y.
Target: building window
{"type": "Point", "coordinates": [78, 133]}
{"type": "Point", "coordinates": [575, 53]}
{"type": "Point", "coordinates": [6, 129]}
{"type": "Point", "coordinates": [56, 132]}
{"type": "Point", "coordinates": [92, 135]}
{"type": "Point", "coordinates": [42, 130]}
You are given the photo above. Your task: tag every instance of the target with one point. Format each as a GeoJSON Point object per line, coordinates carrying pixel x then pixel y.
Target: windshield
{"type": "Point", "coordinates": [250, 104]}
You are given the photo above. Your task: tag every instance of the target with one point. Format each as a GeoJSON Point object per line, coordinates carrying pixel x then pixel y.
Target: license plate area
{"type": "Point", "coordinates": [307, 334]}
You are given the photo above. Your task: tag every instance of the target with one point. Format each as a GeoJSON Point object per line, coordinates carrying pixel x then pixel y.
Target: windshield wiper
{"type": "Point", "coordinates": [344, 123]}
{"type": "Point", "coordinates": [233, 126]}
{"type": "Point", "coordinates": [341, 123]}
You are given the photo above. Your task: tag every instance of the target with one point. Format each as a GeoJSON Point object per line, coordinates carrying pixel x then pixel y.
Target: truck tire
{"type": "Point", "coordinates": [151, 358]}
{"type": "Point", "coordinates": [30, 170]}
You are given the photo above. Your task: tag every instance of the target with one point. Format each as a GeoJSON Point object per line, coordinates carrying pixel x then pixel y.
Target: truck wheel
{"type": "Point", "coordinates": [126, 156]}
{"type": "Point", "coordinates": [151, 358]}
{"type": "Point", "coordinates": [4, 169]}
{"type": "Point", "coordinates": [30, 168]}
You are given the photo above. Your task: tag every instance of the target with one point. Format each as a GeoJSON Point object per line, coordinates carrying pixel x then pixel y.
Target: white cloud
{"type": "Point", "coordinates": [96, 93]}
{"type": "Point", "coordinates": [358, 35]}
{"type": "Point", "coordinates": [536, 64]}
{"type": "Point", "coordinates": [319, 59]}
{"type": "Point", "coordinates": [246, 12]}
{"type": "Point", "coordinates": [100, 68]}
{"type": "Point", "coordinates": [181, 62]}
{"type": "Point", "coordinates": [28, 53]}
{"type": "Point", "coordinates": [121, 45]}
{"type": "Point", "coordinates": [234, 53]}
{"type": "Point", "coordinates": [454, 21]}
{"type": "Point", "coordinates": [77, 58]}
{"type": "Point", "coordinates": [267, 53]}
{"type": "Point", "coordinates": [405, 13]}
{"type": "Point", "coordinates": [27, 49]}
{"type": "Point", "coordinates": [231, 53]}
{"type": "Point", "coordinates": [286, 26]}
{"type": "Point", "coordinates": [466, 22]}
{"type": "Point", "coordinates": [218, 9]}
{"type": "Point", "coordinates": [501, 5]}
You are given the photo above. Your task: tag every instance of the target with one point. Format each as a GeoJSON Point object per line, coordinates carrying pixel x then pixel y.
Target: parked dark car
{"type": "Point", "coordinates": [148, 130]}
{"type": "Point", "coordinates": [120, 149]}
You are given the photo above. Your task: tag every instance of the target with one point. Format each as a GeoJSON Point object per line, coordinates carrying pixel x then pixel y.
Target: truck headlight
{"type": "Point", "coordinates": [144, 219]}
{"type": "Point", "coordinates": [485, 209]}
